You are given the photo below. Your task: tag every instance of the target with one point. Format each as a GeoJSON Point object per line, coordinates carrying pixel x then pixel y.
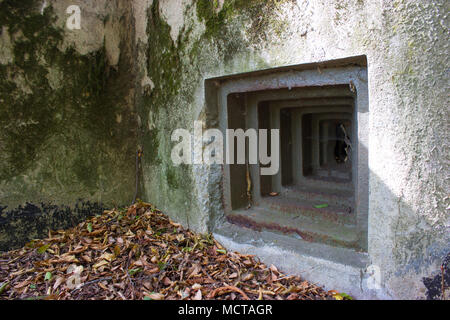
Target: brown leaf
{"type": "Point", "coordinates": [167, 281]}
{"type": "Point", "coordinates": [293, 296]}
{"type": "Point", "coordinates": [22, 284]}
{"type": "Point", "coordinates": [18, 273]}
{"type": "Point", "coordinates": [58, 282]}
{"type": "Point", "coordinates": [248, 263]}
{"type": "Point", "coordinates": [65, 259]}
{"type": "Point", "coordinates": [274, 277]}
{"type": "Point", "coordinates": [225, 289]}
{"type": "Point", "coordinates": [147, 285]}
{"type": "Point", "coordinates": [273, 268]}
{"type": "Point", "coordinates": [248, 276]}
{"type": "Point", "coordinates": [103, 286]}
{"type": "Point", "coordinates": [100, 264]}
{"type": "Point", "coordinates": [86, 258]}
{"type": "Point", "coordinates": [107, 256]}
{"type": "Point", "coordinates": [194, 270]}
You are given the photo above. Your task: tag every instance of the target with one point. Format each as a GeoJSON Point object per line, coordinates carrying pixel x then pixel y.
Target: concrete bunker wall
{"type": "Point", "coordinates": [67, 124]}
{"type": "Point", "coordinates": [405, 144]}
{"type": "Point", "coordinates": [153, 58]}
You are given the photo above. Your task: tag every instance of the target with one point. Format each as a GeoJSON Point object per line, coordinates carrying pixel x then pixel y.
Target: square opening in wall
{"type": "Point", "coordinates": [327, 147]}
{"type": "Point", "coordinates": [322, 163]}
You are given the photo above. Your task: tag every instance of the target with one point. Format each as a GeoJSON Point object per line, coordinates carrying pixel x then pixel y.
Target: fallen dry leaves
{"type": "Point", "coordinates": [139, 253]}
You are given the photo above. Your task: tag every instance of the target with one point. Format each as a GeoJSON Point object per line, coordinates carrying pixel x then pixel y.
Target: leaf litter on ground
{"type": "Point", "coordinates": [139, 253]}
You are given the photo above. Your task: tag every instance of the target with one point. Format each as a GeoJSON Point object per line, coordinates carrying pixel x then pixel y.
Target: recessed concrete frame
{"type": "Point", "coordinates": [315, 205]}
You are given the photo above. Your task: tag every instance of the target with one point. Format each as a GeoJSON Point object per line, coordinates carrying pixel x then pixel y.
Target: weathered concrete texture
{"type": "Point", "coordinates": [67, 122]}
{"type": "Point", "coordinates": [75, 106]}
{"type": "Point", "coordinates": [406, 45]}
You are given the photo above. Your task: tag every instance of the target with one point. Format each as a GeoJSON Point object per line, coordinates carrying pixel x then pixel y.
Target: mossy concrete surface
{"type": "Point", "coordinates": [406, 45]}
{"type": "Point", "coordinates": [77, 104]}
{"type": "Point", "coordinates": [67, 122]}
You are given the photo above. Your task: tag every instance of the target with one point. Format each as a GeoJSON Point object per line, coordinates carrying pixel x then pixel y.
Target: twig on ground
{"type": "Point", "coordinates": [129, 279]}
{"type": "Point", "coordinates": [227, 289]}
{"type": "Point", "coordinates": [91, 282]}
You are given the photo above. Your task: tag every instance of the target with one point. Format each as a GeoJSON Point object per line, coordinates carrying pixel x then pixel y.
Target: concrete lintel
{"type": "Point", "coordinates": [355, 61]}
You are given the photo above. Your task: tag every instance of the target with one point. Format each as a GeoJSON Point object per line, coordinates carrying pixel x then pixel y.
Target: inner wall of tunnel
{"type": "Point", "coordinates": [244, 108]}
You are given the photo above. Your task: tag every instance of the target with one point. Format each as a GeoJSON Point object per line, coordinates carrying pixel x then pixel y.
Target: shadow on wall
{"type": "Point", "coordinates": [440, 282]}
{"type": "Point", "coordinates": [411, 243]}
